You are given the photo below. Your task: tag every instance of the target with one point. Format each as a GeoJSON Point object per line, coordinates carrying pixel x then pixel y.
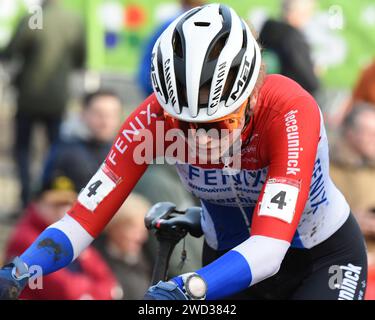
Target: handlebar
{"type": "Point", "coordinates": [170, 226]}
{"type": "Point", "coordinates": [163, 216]}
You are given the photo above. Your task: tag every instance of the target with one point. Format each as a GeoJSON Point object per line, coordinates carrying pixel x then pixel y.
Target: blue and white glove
{"type": "Point", "coordinates": [189, 286]}
{"type": "Point", "coordinates": [165, 291]}
{"type": "Point", "coordinates": [13, 279]}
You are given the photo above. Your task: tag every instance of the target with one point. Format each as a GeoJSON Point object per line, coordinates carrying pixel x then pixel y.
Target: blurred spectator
{"type": "Point", "coordinates": [353, 164]}
{"type": "Point", "coordinates": [364, 90]}
{"type": "Point", "coordinates": [88, 277]}
{"type": "Point", "coordinates": [47, 57]}
{"type": "Point", "coordinates": [144, 79]}
{"type": "Point", "coordinates": [353, 171]}
{"type": "Point", "coordinates": [284, 40]}
{"type": "Point", "coordinates": [81, 153]}
{"type": "Point", "coordinates": [123, 247]}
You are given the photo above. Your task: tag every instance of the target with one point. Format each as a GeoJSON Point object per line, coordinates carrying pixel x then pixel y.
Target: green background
{"type": "Point", "coordinates": [125, 57]}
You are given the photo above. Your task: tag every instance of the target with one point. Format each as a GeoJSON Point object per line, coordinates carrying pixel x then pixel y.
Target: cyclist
{"type": "Point", "coordinates": [276, 227]}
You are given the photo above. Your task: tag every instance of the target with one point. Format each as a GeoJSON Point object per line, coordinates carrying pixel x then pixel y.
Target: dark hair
{"type": "Point", "coordinates": [358, 108]}
{"type": "Point", "coordinates": [90, 97]}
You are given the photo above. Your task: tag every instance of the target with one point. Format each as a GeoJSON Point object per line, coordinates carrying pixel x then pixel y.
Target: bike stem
{"type": "Point", "coordinates": [167, 243]}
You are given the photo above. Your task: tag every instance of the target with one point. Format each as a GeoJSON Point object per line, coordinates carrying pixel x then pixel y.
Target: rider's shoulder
{"type": "Point", "coordinates": [282, 85]}
{"type": "Point", "coordinates": [281, 93]}
{"type": "Point", "coordinates": [150, 105]}
{"type": "Point", "coordinates": [152, 100]}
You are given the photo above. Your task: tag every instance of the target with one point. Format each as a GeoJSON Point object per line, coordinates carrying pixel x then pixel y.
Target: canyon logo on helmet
{"type": "Point", "coordinates": [205, 64]}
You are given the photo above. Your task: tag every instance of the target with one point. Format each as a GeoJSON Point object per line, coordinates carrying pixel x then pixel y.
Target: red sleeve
{"type": "Point", "coordinates": [110, 186]}
{"type": "Point", "coordinates": [291, 143]}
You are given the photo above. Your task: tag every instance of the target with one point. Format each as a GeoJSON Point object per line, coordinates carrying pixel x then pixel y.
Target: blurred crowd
{"type": "Point", "coordinates": [118, 265]}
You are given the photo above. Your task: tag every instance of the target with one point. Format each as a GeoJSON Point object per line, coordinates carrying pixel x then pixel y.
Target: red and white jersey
{"type": "Point", "coordinates": [282, 191]}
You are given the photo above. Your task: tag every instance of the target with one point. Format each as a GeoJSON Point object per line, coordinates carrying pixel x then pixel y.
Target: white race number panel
{"type": "Point", "coordinates": [96, 190]}
{"type": "Point", "coordinates": [279, 201]}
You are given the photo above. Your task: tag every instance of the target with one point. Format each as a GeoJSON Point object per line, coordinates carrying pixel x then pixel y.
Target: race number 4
{"type": "Point", "coordinates": [279, 200]}
{"type": "Point", "coordinates": [97, 189]}
{"type": "Point", "coordinates": [93, 188]}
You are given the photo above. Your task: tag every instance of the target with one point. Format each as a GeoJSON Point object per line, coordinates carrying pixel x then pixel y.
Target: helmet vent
{"type": "Point", "coordinates": [218, 47]}
{"type": "Point", "coordinates": [230, 81]}
{"type": "Point", "coordinates": [161, 73]}
{"type": "Point", "coordinates": [221, 14]}
{"type": "Point", "coordinates": [202, 24]}
{"type": "Point", "coordinates": [244, 43]}
{"type": "Point", "coordinates": [181, 89]}
{"type": "Point", "coordinates": [177, 45]}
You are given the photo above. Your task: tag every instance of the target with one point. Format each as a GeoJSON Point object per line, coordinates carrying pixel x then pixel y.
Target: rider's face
{"type": "Point", "coordinates": [218, 146]}
{"type": "Point", "coordinates": [212, 140]}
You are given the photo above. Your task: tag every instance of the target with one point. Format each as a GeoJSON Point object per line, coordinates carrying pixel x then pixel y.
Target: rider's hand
{"type": "Point", "coordinates": [13, 279]}
{"type": "Point", "coordinates": [165, 291]}
{"type": "Point", "coordinates": [194, 288]}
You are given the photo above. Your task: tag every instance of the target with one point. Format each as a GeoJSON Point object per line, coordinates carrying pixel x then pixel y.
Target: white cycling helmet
{"type": "Point", "coordinates": [205, 64]}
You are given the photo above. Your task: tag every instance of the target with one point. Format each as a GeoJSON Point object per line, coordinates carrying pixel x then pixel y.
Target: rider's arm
{"type": "Point", "coordinates": [63, 241]}
{"type": "Point", "coordinates": [276, 215]}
